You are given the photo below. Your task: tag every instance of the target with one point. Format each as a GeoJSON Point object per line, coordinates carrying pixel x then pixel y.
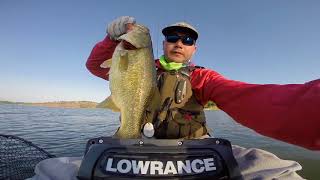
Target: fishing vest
{"type": "Point", "coordinates": [180, 114]}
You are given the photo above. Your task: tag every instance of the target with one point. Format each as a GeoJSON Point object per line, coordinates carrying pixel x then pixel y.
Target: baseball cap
{"type": "Point", "coordinates": [181, 27]}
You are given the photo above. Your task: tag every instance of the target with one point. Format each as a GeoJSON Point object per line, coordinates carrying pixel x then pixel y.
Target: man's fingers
{"type": "Point", "coordinates": [120, 26]}
{"type": "Point", "coordinates": [129, 27]}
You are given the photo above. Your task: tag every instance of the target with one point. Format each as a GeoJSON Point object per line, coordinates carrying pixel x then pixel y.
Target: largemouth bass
{"type": "Point", "coordinates": [133, 83]}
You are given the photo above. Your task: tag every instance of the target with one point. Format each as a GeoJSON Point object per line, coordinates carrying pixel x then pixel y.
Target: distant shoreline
{"type": "Point", "coordinates": [76, 104]}
{"type": "Point", "coordinates": [61, 104]}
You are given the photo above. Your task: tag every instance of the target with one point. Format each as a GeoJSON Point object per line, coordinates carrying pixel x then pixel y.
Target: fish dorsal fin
{"type": "Point", "coordinates": [106, 64]}
{"type": "Point", "coordinates": [124, 61]}
{"type": "Point", "coordinates": [108, 103]}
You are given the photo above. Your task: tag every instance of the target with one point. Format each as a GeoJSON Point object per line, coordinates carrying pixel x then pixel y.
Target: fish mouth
{"type": "Point", "coordinates": [128, 46]}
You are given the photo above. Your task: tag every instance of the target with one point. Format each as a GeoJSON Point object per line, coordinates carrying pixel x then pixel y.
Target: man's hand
{"type": "Point", "coordinates": [120, 26]}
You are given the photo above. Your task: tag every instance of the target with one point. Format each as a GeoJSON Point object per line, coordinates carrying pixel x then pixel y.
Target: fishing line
{"type": "Point", "coordinates": [157, 39]}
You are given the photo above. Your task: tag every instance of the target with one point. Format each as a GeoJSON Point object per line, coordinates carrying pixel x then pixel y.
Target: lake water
{"type": "Point", "coordinates": [64, 132]}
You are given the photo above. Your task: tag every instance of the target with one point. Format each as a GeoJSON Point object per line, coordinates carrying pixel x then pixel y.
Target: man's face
{"type": "Point", "coordinates": [178, 52]}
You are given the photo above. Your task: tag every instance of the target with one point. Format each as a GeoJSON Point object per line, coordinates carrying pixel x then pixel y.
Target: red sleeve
{"type": "Point", "coordinates": [288, 112]}
{"type": "Point", "coordinates": [101, 51]}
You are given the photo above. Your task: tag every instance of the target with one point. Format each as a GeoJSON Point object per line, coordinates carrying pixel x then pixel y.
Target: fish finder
{"type": "Point", "coordinates": [112, 158]}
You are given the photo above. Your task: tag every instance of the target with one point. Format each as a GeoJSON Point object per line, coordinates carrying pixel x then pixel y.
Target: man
{"type": "Point", "coordinates": [285, 112]}
{"type": "Point", "coordinates": [264, 108]}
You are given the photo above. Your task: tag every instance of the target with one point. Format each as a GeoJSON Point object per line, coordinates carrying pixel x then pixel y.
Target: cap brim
{"type": "Point", "coordinates": [171, 29]}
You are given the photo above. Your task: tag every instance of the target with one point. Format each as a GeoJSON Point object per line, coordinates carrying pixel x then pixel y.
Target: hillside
{"type": "Point", "coordinates": [62, 104]}
{"type": "Point", "coordinates": [66, 104]}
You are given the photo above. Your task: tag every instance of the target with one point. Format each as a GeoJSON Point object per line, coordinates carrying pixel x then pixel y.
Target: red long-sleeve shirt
{"type": "Point", "coordinates": [290, 113]}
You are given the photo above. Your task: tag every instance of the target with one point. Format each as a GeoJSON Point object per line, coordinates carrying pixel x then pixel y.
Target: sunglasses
{"type": "Point", "coordinates": [186, 40]}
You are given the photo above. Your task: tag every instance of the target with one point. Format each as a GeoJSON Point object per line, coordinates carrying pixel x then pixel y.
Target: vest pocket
{"type": "Point", "coordinates": [186, 125]}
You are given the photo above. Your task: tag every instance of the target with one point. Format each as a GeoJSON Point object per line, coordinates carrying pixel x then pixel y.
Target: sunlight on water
{"type": "Point", "coordinates": [64, 132]}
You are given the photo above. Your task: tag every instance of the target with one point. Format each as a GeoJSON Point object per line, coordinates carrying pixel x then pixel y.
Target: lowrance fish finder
{"type": "Point", "coordinates": [112, 158]}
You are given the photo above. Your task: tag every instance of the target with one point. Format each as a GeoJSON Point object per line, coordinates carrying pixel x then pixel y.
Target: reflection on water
{"type": "Point", "coordinates": [64, 132]}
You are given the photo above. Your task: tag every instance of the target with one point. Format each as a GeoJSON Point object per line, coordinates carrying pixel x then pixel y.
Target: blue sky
{"type": "Point", "coordinates": [44, 44]}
